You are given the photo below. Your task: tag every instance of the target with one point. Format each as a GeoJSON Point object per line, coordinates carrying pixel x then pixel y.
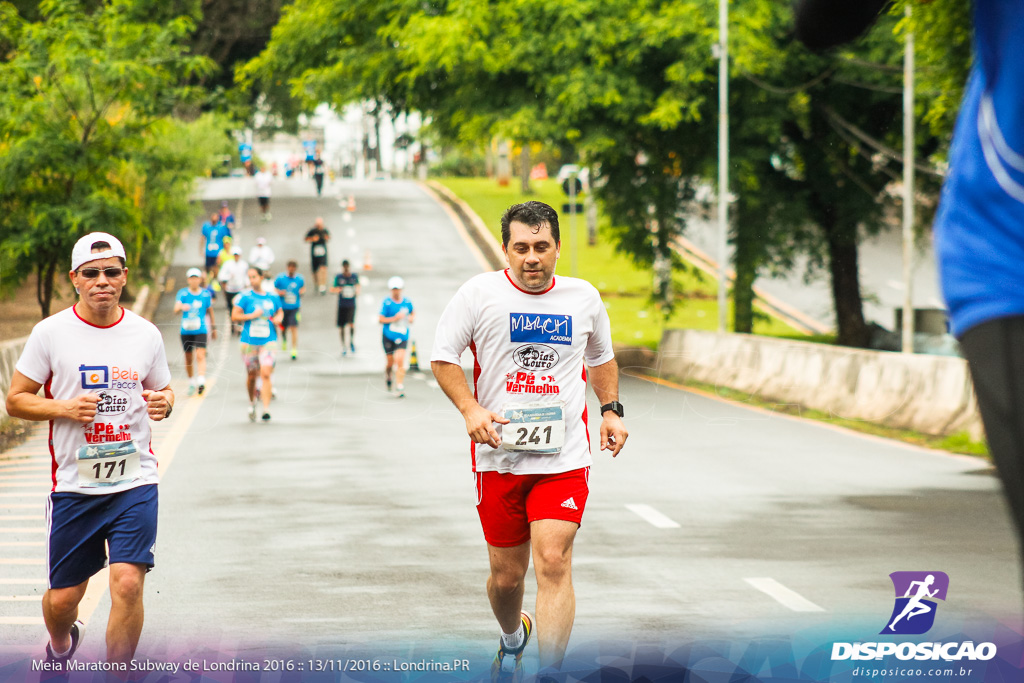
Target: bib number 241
{"type": "Point", "coordinates": [534, 429]}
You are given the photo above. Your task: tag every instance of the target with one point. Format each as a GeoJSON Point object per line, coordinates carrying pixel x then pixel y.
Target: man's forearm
{"type": "Point", "coordinates": [35, 408]}
{"type": "Point", "coordinates": [604, 379]}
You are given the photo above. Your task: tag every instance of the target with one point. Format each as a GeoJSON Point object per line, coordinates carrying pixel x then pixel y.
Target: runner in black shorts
{"type": "Point", "coordinates": [317, 238]}
{"type": "Point", "coordinates": [347, 287]}
{"type": "Point", "coordinates": [195, 305]}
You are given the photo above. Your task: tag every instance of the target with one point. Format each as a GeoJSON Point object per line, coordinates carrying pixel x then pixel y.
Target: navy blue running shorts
{"type": "Point", "coordinates": [390, 345]}
{"type": "Point", "coordinates": [79, 525]}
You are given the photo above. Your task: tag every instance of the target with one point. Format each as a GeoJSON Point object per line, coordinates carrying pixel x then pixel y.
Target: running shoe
{"type": "Point", "coordinates": [389, 384]}
{"type": "Point", "coordinates": [401, 390]}
{"type": "Point", "coordinates": [77, 633]}
{"type": "Point", "coordinates": [284, 344]}
{"type": "Point", "coordinates": [352, 347]}
{"type": "Point", "coordinates": [295, 354]}
{"type": "Point", "coordinates": [252, 412]}
{"type": "Point", "coordinates": [191, 389]}
{"type": "Point", "coordinates": [266, 417]}
{"type": "Point", "coordinates": [202, 388]}
{"type": "Point", "coordinates": [507, 666]}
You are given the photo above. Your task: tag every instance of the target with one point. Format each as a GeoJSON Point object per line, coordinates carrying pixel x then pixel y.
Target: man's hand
{"type": "Point", "coordinates": [613, 433]}
{"type": "Point", "coordinates": [157, 404]}
{"type": "Point", "coordinates": [480, 425]}
{"type": "Point", "coordinates": [83, 408]}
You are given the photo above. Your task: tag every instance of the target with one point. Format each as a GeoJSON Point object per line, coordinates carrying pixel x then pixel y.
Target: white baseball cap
{"type": "Point", "coordinates": [261, 241]}
{"type": "Point", "coordinates": [83, 253]}
{"type": "Point", "coordinates": [194, 272]}
{"type": "Point", "coordinates": [237, 251]}
{"type": "Point", "coordinates": [396, 283]}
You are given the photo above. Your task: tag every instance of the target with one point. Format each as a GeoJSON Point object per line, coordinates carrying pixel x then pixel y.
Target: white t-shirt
{"type": "Point", "coordinates": [71, 357]}
{"type": "Point", "coordinates": [263, 180]}
{"type": "Point", "coordinates": [261, 257]}
{"type": "Point", "coordinates": [530, 351]}
{"type": "Point", "coordinates": [234, 274]}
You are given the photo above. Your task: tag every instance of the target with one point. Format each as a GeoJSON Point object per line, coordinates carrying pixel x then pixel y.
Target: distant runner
{"type": "Point", "coordinates": [290, 286]}
{"type": "Point", "coordinates": [347, 287]}
{"type": "Point", "coordinates": [195, 305]}
{"type": "Point", "coordinates": [261, 313]}
{"type": "Point", "coordinates": [318, 237]}
{"type": "Point", "coordinates": [396, 314]}
{"type": "Point", "coordinates": [214, 232]}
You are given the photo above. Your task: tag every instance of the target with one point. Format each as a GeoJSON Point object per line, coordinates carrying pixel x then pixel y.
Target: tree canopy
{"type": "Point", "coordinates": [87, 137]}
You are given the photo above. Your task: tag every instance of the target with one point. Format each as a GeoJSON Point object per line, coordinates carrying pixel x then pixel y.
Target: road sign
{"type": "Point", "coordinates": [567, 208]}
{"type": "Point", "coordinates": [569, 190]}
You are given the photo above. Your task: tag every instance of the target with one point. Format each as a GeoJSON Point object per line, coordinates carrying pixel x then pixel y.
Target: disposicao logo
{"type": "Point", "coordinates": [916, 593]}
{"type": "Point", "coordinates": [913, 614]}
{"type": "Point", "coordinates": [95, 376]}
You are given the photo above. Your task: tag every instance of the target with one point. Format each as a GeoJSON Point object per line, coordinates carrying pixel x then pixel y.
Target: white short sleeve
{"type": "Point", "coordinates": [34, 362]}
{"type": "Point", "coordinates": [454, 329]}
{"type": "Point", "coordinates": [599, 346]}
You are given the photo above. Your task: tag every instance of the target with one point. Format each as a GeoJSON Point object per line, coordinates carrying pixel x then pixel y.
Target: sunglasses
{"type": "Point", "coordinates": [93, 273]}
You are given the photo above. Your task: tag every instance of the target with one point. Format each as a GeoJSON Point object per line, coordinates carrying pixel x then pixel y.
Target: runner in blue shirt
{"type": "Point", "coordinates": [290, 287]}
{"type": "Point", "coordinates": [195, 303]}
{"type": "Point", "coordinates": [214, 232]}
{"type": "Point", "coordinates": [260, 313]}
{"type": "Point", "coordinates": [396, 315]}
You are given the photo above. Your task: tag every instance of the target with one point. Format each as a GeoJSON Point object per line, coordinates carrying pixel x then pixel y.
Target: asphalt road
{"type": "Point", "coordinates": [348, 521]}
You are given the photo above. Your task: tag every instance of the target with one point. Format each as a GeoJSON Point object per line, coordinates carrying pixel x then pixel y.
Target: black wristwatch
{"type": "Point", "coordinates": [613, 406]}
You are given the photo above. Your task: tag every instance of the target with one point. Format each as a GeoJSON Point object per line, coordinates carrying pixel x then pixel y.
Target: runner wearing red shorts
{"type": "Point", "coordinates": [535, 340]}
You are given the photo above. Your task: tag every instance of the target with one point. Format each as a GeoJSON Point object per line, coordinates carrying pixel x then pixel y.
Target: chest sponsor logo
{"type": "Point", "coordinates": [104, 377]}
{"type": "Point", "coordinates": [535, 357]}
{"type": "Point", "coordinates": [530, 383]}
{"type": "Point", "coordinates": [113, 402]}
{"type": "Point", "coordinates": [540, 328]}
{"type": "Point", "coordinates": [95, 376]}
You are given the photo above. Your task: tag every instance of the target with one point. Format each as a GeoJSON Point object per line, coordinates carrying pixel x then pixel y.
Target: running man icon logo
{"type": "Point", "coordinates": [916, 593]}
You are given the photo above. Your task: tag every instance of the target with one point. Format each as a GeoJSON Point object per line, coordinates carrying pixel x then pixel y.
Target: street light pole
{"type": "Point", "coordinates": [908, 192]}
{"type": "Point", "coordinates": [723, 160]}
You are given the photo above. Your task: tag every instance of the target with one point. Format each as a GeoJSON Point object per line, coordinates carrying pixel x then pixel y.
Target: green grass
{"type": "Point", "coordinates": [626, 288]}
{"type": "Point", "coordinates": [958, 443]}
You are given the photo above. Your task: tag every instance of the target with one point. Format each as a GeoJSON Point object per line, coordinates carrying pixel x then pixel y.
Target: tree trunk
{"type": "Point", "coordinates": [746, 263]}
{"type": "Point", "coordinates": [524, 169]}
{"type": "Point", "coordinates": [44, 286]}
{"type": "Point", "coordinates": [843, 265]}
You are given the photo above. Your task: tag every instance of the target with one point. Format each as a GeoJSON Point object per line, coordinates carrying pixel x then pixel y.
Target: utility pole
{"type": "Point", "coordinates": [908, 192]}
{"type": "Point", "coordinates": [723, 162]}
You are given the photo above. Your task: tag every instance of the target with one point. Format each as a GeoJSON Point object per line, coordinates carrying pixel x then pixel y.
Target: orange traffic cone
{"type": "Point", "coordinates": [367, 263]}
{"type": "Point", "coordinates": [351, 202]}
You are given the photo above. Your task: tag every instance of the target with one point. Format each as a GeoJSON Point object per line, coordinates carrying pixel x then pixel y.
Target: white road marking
{"type": "Point", "coordinates": [22, 518]}
{"type": "Point", "coordinates": [22, 530]}
{"type": "Point", "coordinates": [652, 516]}
{"type": "Point", "coordinates": [433, 384]}
{"type": "Point", "coordinates": [20, 544]}
{"type": "Point", "coordinates": [785, 596]}
{"type": "Point", "coordinates": [22, 560]}
{"type": "Point", "coordinates": [20, 621]}
{"type": "Point", "coordinates": [20, 598]}
{"type": "Point", "coordinates": [23, 582]}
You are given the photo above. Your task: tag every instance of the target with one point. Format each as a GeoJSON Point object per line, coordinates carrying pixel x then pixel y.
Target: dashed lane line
{"type": "Point", "coordinates": [652, 516]}
{"type": "Point", "coordinates": [787, 597]}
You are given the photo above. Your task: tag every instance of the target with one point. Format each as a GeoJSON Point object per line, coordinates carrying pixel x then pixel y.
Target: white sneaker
{"type": "Point", "coordinates": [252, 412]}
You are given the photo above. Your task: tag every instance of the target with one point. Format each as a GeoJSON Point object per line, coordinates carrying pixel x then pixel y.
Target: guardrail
{"type": "Point", "coordinates": [930, 394]}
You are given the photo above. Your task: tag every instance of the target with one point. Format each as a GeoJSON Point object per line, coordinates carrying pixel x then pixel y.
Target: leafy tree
{"type": "Point", "coordinates": [86, 137]}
